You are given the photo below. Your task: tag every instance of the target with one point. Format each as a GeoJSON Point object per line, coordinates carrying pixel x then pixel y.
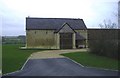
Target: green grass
{"type": "Point", "coordinates": [13, 58]}
{"type": "Point", "coordinates": [92, 60]}
{"type": "Point", "coordinates": [0, 57]}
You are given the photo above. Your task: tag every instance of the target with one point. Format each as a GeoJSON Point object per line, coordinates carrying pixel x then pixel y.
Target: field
{"type": "Point", "coordinates": [13, 58]}
{"type": "Point", "coordinates": [92, 60]}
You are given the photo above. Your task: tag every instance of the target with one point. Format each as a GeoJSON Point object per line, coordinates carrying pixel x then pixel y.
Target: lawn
{"type": "Point", "coordinates": [13, 58]}
{"type": "Point", "coordinates": [0, 58]}
{"type": "Point", "coordinates": [92, 60]}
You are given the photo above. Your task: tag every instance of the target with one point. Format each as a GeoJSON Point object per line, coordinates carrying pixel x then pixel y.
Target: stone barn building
{"type": "Point", "coordinates": [55, 33]}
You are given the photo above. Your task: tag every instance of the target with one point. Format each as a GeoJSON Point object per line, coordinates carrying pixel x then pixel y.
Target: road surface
{"type": "Point", "coordinates": [59, 67]}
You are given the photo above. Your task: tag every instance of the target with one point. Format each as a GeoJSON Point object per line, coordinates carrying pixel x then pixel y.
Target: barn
{"type": "Point", "coordinates": [55, 33]}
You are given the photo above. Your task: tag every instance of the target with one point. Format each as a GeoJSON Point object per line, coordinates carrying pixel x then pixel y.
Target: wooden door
{"type": "Point", "coordinates": [66, 41]}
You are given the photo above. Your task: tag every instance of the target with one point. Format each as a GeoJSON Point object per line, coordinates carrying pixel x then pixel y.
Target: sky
{"type": "Point", "coordinates": [93, 12]}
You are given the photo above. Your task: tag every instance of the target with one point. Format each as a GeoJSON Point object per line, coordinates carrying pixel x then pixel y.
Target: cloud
{"type": "Point", "coordinates": [93, 12]}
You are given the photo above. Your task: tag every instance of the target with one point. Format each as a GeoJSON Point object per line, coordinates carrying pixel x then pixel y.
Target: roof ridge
{"type": "Point", "coordinates": [54, 18]}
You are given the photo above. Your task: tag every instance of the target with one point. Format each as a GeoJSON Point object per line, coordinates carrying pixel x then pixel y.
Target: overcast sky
{"type": "Point", "coordinates": [93, 12]}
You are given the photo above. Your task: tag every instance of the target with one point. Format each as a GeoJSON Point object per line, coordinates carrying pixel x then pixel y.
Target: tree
{"type": "Point", "coordinates": [108, 25]}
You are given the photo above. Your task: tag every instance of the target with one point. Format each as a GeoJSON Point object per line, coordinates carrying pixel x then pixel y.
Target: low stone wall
{"type": "Point", "coordinates": [104, 41]}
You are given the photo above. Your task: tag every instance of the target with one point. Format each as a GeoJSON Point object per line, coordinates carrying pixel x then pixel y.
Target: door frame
{"type": "Point", "coordinates": [70, 38]}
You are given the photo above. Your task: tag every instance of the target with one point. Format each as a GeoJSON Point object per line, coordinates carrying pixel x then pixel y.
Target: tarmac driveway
{"type": "Point", "coordinates": [59, 67]}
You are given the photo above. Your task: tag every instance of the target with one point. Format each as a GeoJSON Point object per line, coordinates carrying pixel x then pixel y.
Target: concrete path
{"type": "Point", "coordinates": [59, 67]}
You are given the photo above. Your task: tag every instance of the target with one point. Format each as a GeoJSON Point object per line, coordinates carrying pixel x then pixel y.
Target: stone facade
{"type": "Point", "coordinates": [47, 39]}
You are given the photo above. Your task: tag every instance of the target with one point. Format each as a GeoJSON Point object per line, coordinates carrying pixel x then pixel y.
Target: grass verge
{"type": "Point", "coordinates": [13, 58]}
{"type": "Point", "coordinates": [92, 60]}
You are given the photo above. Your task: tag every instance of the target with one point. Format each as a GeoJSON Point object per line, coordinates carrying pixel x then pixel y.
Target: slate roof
{"type": "Point", "coordinates": [53, 23]}
{"type": "Point", "coordinates": [79, 37]}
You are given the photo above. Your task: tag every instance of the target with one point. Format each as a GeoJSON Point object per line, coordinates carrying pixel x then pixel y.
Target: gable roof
{"type": "Point", "coordinates": [53, 23]}
{"type": "Point", "coordinates": [63, 26]}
